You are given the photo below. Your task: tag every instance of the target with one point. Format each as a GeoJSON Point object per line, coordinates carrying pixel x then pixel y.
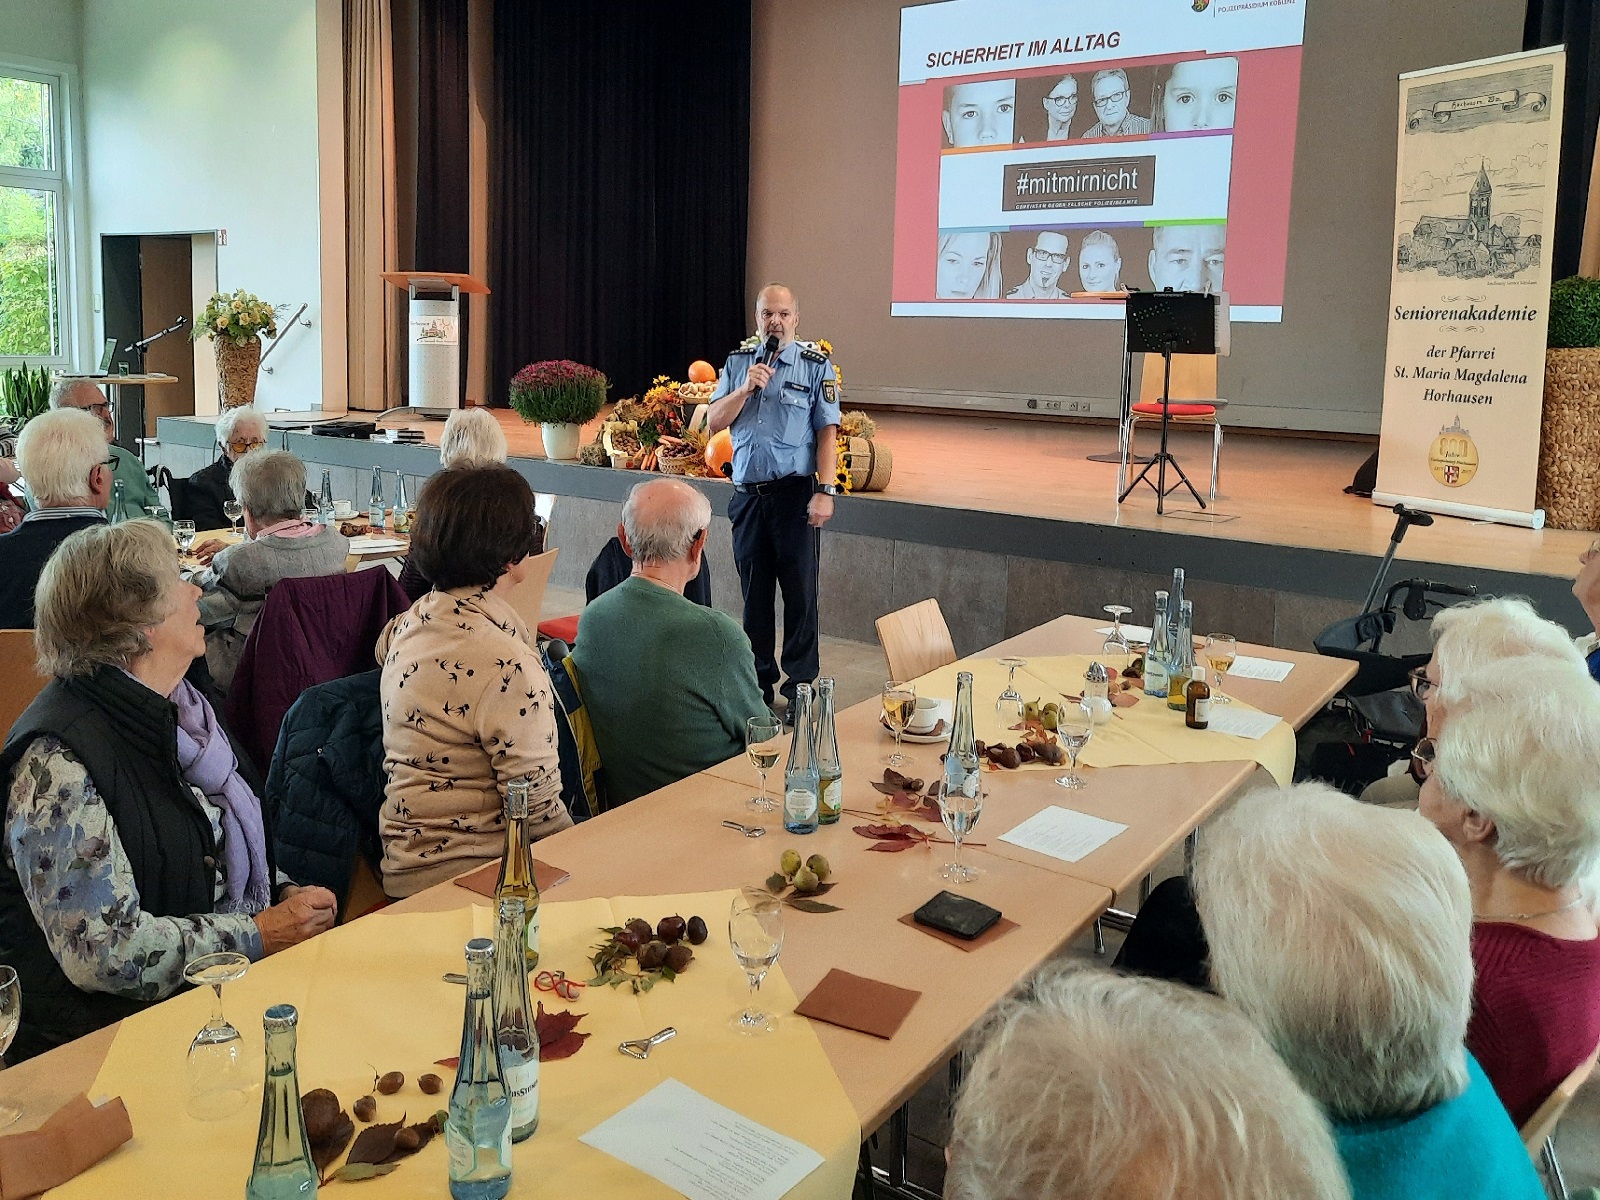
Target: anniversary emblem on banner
{"type": "Point", "coordinates": [1469, 297]}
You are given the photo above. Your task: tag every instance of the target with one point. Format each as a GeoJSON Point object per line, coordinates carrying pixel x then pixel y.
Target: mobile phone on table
{"type": "Point", "coordinates": [962, 916]}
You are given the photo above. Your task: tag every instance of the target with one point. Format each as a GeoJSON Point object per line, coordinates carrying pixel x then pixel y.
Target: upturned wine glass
{"type": "Point", "coordinates": [761, 747]}
{"type": "Point", "coordinates": [10, 1018]}
{"type": "Point", "coordinates": [1011, 696]}
{"type": "Point", "coordinates": [1117, 647]}
{"type": "Point", "coordinates": [755, 932]}
{"type": "Point", "coordinates": [219, 1084]}
{"type": "Point", "coordinates": [1074, 727]}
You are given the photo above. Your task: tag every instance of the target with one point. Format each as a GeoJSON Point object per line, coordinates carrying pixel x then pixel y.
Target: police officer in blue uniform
{"type": "Point", "coordinates": [784, 417]}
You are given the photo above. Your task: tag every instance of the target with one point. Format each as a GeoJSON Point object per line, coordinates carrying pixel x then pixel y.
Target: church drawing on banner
{"type": "Point", "coordinates": [1472, 246]}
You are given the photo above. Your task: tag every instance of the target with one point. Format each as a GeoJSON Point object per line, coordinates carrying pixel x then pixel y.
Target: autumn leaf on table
{"type": "Point", "coordinates": [323, 1153]}
{"type": "Point", "coordinates": [375, 1143]}
{"type": "Point", "coordinates": [557, 1037]}
{"type": "Point", "coordinates": [910, 804]}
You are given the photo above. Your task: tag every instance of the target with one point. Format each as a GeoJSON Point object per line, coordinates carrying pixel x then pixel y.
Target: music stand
{"type": "Point", "coordinates": [1168, 323]}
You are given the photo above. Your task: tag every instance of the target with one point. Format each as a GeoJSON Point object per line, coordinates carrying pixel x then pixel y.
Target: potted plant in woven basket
{"type": "Point", "coordinates": [561, 396]}
{"type": "Point", "coordinates": [236, 324]}
{"type": "Point", "coordinates": [1569, 438]}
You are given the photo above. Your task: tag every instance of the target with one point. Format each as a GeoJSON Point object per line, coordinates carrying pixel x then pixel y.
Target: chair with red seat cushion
{"type": "Point", "coordinates": [562, 629]}
{"type": "Point", "coordinates": [1194, 388]}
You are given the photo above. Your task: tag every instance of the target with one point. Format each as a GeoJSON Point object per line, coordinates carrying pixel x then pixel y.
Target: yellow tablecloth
{"type": "Point", "coordinates": [1145, 734]}
{"type": "Point", "coordinates": [372, 1000]}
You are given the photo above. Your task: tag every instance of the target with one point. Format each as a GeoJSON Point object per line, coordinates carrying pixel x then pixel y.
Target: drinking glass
{"type": "Point", "coordinates": [233, 510]}
{"type": "Point", "coordinates": [183, 534]}
{"type": "Point", "coordinates": [1117, 649]}
{"type": "Point", "coordinates": [1074, 727]}
{"type": "Point", "coordinates": [960, 812]}
{"type": "Point", "coordinates": [899, 702]}
{"type": "Point", "coordinates": [1011, 695]}
{"type": "Point", "coordinates": [10, 1018]}
{"type": "Point", "coordinates": [755, 931]}
{"type": "Point", "coordinates": [219, 1084]}
{"type": "Point", "coordinates": [1221, 650]}
{"type": "Point", "coordinates": [761, 746]}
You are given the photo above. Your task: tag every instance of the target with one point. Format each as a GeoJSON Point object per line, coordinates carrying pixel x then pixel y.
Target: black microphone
{"type": "Point", "coordinates": [770, 352]}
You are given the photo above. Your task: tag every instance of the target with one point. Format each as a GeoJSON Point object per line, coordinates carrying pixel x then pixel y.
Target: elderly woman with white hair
{"type": "Point", "coordinates": [239, 431]}
{"type": "Point", "coordinates": [1513, 783]}
{"type": "Point", "coordinates": [133, 845]}
{"type": "Point", "coordinates": [281, 544]}
{"type": "Point", "coordinates": [1098, 1086]}
{"type": "Point", "coordinates": [1341, 930]}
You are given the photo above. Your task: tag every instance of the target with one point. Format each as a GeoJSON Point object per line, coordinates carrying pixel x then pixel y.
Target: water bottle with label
{"type": "Point", "coordinates": [477, 1132]}
{"type": "Point", "coordinates": [375, 504]}
{"type": "Point", "coordinates": [1158, 652]}
{"type": "Point", "coordinates": [325, 499]}
{"type": "Point", "coordinates": [514, 1027]}
{"type": "Point", "coordinates": [801, 807]}
{"type": "Point", "coordinates": [830, 773]}
{"type": "Point", "coordinates": [282, 1169]}
{"type": "Point", "coordinates": [402, 507]}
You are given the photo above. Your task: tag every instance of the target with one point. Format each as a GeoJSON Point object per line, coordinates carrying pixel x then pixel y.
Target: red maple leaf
{"type": "Point", "coordinates": [557, 1038]}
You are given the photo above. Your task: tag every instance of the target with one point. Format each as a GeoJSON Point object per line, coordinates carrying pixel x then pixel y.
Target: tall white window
{"type": "Point", "coordinates": [33, 218]}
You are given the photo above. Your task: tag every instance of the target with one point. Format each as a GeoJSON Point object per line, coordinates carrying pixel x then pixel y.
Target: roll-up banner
{"type": "Point", "coordinates": [1469, 298]}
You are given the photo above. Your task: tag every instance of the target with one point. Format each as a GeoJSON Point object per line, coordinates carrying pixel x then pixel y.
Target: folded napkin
{"type": "Point", "coordinates": [855, 1002]}
{"type": "Point", "coordinates": [998, 930]}
{"type": "Point", "coordinates": [64, 1147]}
{"type": "Point", "coordinates": [485, 877]}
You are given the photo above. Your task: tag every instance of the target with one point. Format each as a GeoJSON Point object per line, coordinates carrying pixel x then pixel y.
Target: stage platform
{"type": "Point", "coordinates": [1008, 524]}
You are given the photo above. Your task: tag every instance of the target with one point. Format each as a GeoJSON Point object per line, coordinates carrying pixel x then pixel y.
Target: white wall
{"type": "Point", "coordinates": [204, 116]}
{"type": "Point", "coordinates": [48, 30]}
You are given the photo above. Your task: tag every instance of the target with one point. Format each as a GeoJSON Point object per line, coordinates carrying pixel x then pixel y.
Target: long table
{"type": "Point", "coordinates": [672, 841]}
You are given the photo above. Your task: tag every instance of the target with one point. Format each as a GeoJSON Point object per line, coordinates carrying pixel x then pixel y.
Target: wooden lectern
{"type": "Point", "coordinates": [434, 337]}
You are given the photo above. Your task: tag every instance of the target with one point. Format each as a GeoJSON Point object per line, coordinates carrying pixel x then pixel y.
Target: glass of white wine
{"type": "Point", "coordinates": [1074, 727]}
{"type": "Point", "coordinates": [1221, 649]}
{"type": "Point", "coordinates": [10, 1018]}
{"type": "Point", "coordinates": [755, 932]}
{"type": "Point", "coordinates": [219, 1082]}
{"type": "Point", "coordinates": [899, 702]}
{"type": "Point", "coordinates": [761, 747]}
{"type": "Point", "coordinates": [233, 510]}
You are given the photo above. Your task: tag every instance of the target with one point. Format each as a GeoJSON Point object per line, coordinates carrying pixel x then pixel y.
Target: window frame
{"type": "Point", "coordinates": [57, 181]}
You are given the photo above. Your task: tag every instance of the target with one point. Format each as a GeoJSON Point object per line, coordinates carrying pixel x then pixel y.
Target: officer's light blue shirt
{"type": "Point", "coordinates": [775, 434]}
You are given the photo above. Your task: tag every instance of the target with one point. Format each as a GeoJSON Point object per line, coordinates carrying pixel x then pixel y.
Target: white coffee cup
{"type": "Point", "coordinates": [343, 509]}
{"type": "Point", "coordinates": [925, 716]}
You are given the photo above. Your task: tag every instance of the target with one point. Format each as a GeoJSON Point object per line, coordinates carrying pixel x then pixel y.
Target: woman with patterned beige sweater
{"type": "Point", "coordinates": [467, 705]}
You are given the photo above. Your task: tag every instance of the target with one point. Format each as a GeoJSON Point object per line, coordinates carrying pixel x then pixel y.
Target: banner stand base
{"type": "Point", "coordinates": [1470, 512]}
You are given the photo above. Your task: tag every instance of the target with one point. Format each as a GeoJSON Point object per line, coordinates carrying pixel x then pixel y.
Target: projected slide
{"type": "Point", "coordinates": [1053, 147]}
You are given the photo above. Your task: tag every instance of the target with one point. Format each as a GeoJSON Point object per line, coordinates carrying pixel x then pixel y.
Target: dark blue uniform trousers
{"type": "Point", "coordinates": [776, 547]}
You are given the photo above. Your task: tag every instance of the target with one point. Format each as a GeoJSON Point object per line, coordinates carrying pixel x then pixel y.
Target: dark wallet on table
{"type": "Point", "coordinates": [959, 915]}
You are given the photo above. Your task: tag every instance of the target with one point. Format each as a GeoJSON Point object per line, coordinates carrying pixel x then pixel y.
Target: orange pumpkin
{"type": "Point", "coordinates": [719, 453]}
{"type": "Point", "coordinates": [700, 371]}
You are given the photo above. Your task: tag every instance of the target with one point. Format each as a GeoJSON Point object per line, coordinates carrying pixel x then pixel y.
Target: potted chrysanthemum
{"type": "Point", "coordinates": [236, 324]}
{"type": "Point", "coordinates": [560, 395]}
{"type": "Point", "coordinates": [1569, 439]}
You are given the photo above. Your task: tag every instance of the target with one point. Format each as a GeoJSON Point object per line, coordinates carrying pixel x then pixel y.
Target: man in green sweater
{"type": "Point", "coordinates": [667, 683]}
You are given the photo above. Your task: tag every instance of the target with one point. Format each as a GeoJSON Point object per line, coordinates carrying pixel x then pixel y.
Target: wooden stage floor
{"type": "Point", "coordinates": [1285, 491]}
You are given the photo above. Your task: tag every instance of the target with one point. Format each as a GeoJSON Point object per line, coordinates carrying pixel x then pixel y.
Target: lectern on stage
{"type": "Point", "coordinates": [435, 337]}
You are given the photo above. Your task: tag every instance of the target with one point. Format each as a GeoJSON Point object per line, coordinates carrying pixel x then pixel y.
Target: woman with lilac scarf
{"type": "Point", "coordinates": [132, 845]}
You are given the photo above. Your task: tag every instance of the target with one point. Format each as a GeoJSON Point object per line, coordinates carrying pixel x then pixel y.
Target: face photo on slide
{"type": "Point", "coordinates": [1118, 100]}
{"type": "Point", "coordinates": [968, 267]}
{"type": "Point", "coordinates": [1036, 264]}
{"type": "Point", "coordinates": [1187, 258]}
{"type": "Point", "coordinates": [1197, 93]}
{"type": "Point", "coordinates": [1100, 262]}
{"type": "Point", "coordinates": [1051, 108]}
{"type": "Point", "coordinates": [980, 114]}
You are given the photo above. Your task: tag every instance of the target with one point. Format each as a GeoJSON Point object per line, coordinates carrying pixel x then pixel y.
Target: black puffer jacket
{"type": "Point", "coordinates": [325, 786]}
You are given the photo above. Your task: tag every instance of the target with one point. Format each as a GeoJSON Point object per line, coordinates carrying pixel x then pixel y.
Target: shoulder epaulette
{"type": "Point", "coordinates": [812, 352]}
{"type": "Point", "coordinates": [749, 346]}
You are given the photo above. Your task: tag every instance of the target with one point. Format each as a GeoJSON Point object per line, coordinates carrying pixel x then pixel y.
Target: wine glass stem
{"type": "Point", "coordinates": [763, 775]}
{"type": "Point", "coordinates": [217, 1018]}
{"type": "Point", "coordinates": [897, 732]}
{"type": "Point", "coordinates": [957, 860]}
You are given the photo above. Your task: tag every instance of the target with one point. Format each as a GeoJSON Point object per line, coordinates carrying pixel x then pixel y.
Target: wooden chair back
{"type": "Point", "coordinates": [916, 640]}
{"type": "Point", "coordinates": [23, 681]}
{"type": "Point", "coordinates": [1194, 378]}
{"type": "Point", "coordinates": [528, 596]}
{"type": "Point", "coordinates": [1544, 1121]}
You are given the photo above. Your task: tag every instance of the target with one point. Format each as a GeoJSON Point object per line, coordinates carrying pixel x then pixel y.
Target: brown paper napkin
{"type": "Point", "coordinates": [998, 930]}
{"type": "Point", "coordinates": [855, 1002]}
{"type": "Point", "coordinates": [485, 877]}
{"type": "Point", "coordinates": [76, 1137]}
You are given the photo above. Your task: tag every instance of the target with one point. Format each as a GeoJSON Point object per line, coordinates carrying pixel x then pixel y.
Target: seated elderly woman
{"type": "Point", "coordinates": [1467, 636]}
{"type": "Point", "coordinates": [471, 438]}
{"type": "Point", "coordinates": [1342, 931]}
{"type": "Point", "coordinates": [239, 431]}
{"type": "Point", "coordinates": [280, 544]}
{"type": "Point", "coordinates": [1513, 783]}
{"type": "Point", "coordinates": [1100, 1086]}
{"type": "Point", "coordinates": [467, 705]}
{"type": "Point", "coordinates": [132, 843]}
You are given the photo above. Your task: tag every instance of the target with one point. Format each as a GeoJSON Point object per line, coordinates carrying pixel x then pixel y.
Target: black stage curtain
{"type": "Point", "coordinates": [620, 186]}
{"type": "Point", "coordinates": [1550, 23]}
{"type": "Point", "coordinates": [442, 238]}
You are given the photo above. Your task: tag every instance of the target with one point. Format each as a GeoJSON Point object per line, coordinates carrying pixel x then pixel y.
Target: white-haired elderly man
{"type": "Point", "coordinates": [1100, 1086]}
{"type": "Point", "coordinates": [668, 684]}
{"type": "Point", "coordinates": [239, 431]}
{"type": "Point", "coordinates": [137, 491]}
{"type": "Point", "coordinates": [280, 544]}
{"type": "Point", "coordinates": [63, 456]}
{"type": "Point", "coordinates": [1342, 931]}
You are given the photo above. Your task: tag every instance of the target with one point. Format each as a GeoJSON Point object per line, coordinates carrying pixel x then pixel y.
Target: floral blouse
{"type": "Point", "coordinates": [61, 841]}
